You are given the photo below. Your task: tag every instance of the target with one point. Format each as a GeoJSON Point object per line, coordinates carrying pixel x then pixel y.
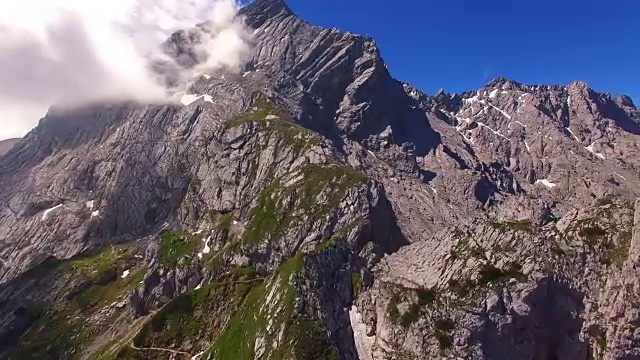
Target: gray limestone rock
{"type": "Point", "coordinates": [493, 224]}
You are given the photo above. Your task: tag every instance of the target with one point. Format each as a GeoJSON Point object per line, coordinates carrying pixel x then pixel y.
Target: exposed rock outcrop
{"type": "Point", "coordinates": [313, 206]}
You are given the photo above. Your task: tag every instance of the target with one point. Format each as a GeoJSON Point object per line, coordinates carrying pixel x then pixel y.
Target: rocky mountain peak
{"type": "Point", "coordinates": [581, 89]}
{"type": "Point", "coordinates": [578, 85]}
{"type": "Point", "coordinates": [260, 11]}
{"type": "Point", "coordinates": [501, 81]}
{"type": "Point", "coordinates": [625, 100]}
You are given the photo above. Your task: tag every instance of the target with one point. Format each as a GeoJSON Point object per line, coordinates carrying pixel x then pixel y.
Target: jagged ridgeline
{"type": "Point", "coordinates": [313, 207]}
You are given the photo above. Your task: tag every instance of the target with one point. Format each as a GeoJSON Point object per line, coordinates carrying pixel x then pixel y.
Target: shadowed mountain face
{"type": "Point", "coordinates": [6, 145]}
{"type": "Point", "coordinates": [311, 206]}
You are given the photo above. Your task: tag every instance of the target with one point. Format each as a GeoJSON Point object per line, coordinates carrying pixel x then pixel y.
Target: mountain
{"type": "Point", "coordinates": [6, 145]}
{"type": "Point", "coordinates": [313, 207]}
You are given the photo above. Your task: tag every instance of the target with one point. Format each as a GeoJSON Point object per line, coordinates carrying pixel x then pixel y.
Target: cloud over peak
{"type": "Point", "coordinates": [75, 52]}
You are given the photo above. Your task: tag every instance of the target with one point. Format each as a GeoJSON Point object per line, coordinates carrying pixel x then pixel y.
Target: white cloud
{"type": "Point", "coordinates": [75, 52]}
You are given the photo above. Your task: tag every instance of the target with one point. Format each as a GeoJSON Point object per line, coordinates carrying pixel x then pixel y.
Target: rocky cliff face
{"type": "Point", "coordinates": [311, 206]}
{"type": "Point", "coordinates": [510, 290]}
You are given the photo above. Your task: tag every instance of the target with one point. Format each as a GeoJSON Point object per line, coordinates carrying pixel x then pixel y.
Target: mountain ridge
{"type": "Point", "coordinates": [6, 145]}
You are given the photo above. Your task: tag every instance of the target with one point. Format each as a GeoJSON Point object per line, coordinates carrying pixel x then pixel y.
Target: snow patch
{"type": "Point", "coordinates": [48, 211]}
{"type": "Point", "coordinates": [572, 134]}
{"type": "Point", "coordinates": [622, 177]}
{"type": "Point", "coordinates": [198, 355]}
{"type": "Point", "coordinates": [89, 204]}
{"type": "Point", "coordinates": [246, 73]}
{"type": "Point", "coordinates": [546, 183]}
{"type": "Point", "coordinates": [189, 99]}
{"type": "Point", "coordinates": [467, 120]}
{"type": "Point", "coordinates": [483, 125]}
{"type": "Point", "coordinates": [521, 98]}
{"type": "Point", "coordinates": [521, 124]}
{"type": "Point", "coordinates": [197, 232]}
{"type": "Point", "coordinates": [592, 150]}
{"type": "Point", "coordinates": [206, 76]}
{"type": "Point", "coordinates": [468, 139]}
{"type": "Point", "coordinates": [125, 274]}
{"type": "Point", "coordinates": [206, 249]}
{"type": "Point", "coordinates": [502, 111]}
{"type": "Point", "coordinates": [444, 111]}
{"type": "Point", "coordinates": [473, 99]}
{"type": "Point", "coordinates": [494, 93]}
{"type": "Point", "coordinates": [95, 214]}
{"type": "Point", "coordinates": [521, 102]}
{"type": "Point", "coordinates": [527, 146]}
{"type": "Point", "coordinates": [271, 117]}
{"type": "Point", "coordinates": [434, 190]}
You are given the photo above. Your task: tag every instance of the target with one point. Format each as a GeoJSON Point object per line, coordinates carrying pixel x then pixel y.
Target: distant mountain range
{"type": "Point", "coordinates": [6, 145]}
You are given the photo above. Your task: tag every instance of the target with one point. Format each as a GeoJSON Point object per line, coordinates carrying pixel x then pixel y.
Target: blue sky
{"type": "Point", "coordinates": [460, 45]}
